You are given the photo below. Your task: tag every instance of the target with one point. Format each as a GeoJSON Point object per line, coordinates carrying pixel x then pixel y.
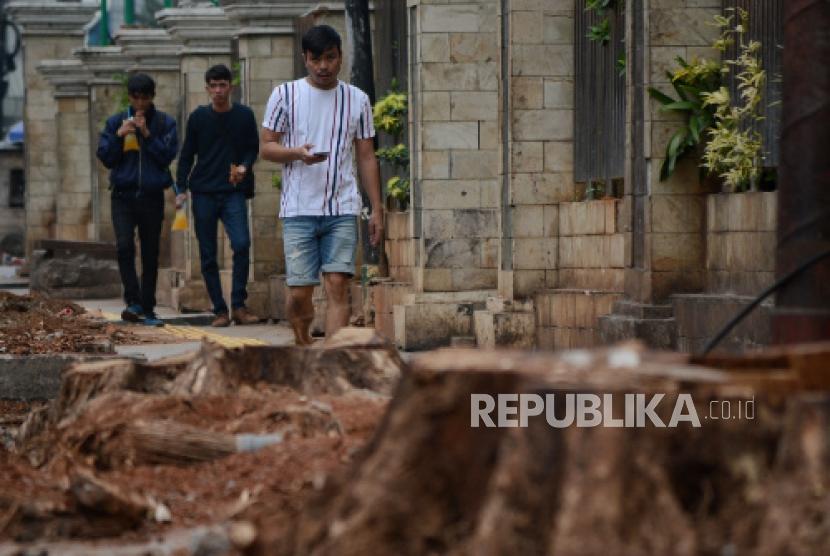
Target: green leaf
{"type": "Point", "coordinates": [680, 92]}
{"type": "Point", "coordinates": [695, 128]}
{"type": "Point", "coordinates": [659, 96]}
{"type": "Point", "coordinates": [664, 170]}
{"type": "Point", "coordinates": [680, 106]}
{"type": "Point", "coordinates": [676, 141]}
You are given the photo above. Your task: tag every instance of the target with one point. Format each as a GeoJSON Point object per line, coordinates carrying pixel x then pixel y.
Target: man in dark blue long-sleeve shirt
{"type": "Point", "coordinates": [223, 137]}
{"type": "Point", "coordinates": [138, 145]}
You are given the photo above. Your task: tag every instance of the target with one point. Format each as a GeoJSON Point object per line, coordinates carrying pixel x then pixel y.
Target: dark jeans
{"type": "Point", "coordinates": [147, 214]}
{"type": "Point", "coordinates": [232, 210]}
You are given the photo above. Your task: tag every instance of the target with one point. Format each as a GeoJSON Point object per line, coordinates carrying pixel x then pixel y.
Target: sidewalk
{"type": "Point", "coordinates": [190, 329]}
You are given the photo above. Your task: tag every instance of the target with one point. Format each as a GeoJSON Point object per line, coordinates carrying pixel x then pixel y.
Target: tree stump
{"type": "Point", "coordinates": [429, 483]}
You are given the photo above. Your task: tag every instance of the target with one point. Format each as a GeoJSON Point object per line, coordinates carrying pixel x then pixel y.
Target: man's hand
{"type": "Point", "coordinates": [140, 122]}
{"type": "Point", "coordinates": [127, 126]}
{"type": "Point", "coordinates": [376, 226]}
{"type": "Point", "coordinates": [181, 198]}
{"type": "Point", "coordinates": [238, 173]}
{"type": "Point", "coordinates": [307, 156]}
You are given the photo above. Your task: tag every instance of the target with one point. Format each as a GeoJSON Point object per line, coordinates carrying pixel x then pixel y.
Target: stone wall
{"type": "Point", "coordinates": [399, 246]}
{"type": "Point", "coordinates": [740, 263]}
{"type": "Point", "coordinates": [49, 30]}
{"type": "Point", "coordinates": [267, 61]}
{"type": "Point", "coordinates": [455, 93]}
{"type": "Point", "coordinates": [590, 275]}
{"type": "Point", "coordinates": [591, 250]}
{"type": "Point", "coordinates": [666, 218]}
{"type": "Point", "coordinates": [539, 144]}
{"type": "Point", "coordinates": [568, 318]}
{"type": "Point", "coordinates": [740, 242]}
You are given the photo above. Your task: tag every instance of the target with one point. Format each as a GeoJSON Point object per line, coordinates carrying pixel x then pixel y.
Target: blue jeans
{"type": "Point", "coordinates": [232, 210]}
{"type": "Point", "coordinates": [318, 243]}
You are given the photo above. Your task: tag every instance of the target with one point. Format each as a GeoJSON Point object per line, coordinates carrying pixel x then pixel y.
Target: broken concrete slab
{"type": "Point", "coordinates": [78, 277]}
{"type": "Point", "coordinates": [36, 377]}
{"type": "Point", "coordinates": [513, 329]}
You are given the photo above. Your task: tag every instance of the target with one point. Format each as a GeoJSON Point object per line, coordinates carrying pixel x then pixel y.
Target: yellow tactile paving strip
{"type": "Point", "coordinates": [197, 334]}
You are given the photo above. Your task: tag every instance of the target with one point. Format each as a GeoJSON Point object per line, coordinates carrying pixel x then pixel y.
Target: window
{"type": "Point", "coordinates": [599, 98]}
{"type": "Point", "coordinates": [17, 189]}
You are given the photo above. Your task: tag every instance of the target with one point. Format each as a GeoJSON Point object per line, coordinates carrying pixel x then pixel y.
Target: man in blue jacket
{"type": "Point", "coordinates": [138, 145]}
{"type": "Point", "coordinates": [223, 138]}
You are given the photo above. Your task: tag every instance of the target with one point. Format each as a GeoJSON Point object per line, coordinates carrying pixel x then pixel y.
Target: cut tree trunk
{"type": "Point", "coordinates": [429, 483]}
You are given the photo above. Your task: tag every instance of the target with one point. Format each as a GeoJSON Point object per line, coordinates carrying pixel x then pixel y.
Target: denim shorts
{"type": "Point", "coordinates": [318, 243]}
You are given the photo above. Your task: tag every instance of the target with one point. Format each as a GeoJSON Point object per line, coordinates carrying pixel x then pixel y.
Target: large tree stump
{"type": "Point", "coordinates": [429, 483]}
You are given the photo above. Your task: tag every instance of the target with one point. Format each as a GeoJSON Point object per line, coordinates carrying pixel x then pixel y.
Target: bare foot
{"type": "Point", "coordinates": [302, 336]}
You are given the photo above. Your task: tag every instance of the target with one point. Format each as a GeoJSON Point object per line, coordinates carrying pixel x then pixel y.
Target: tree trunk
{"type": "Point", "coordinates": [429, 483]}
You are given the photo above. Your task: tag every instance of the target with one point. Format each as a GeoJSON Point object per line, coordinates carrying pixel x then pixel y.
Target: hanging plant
{"type": "Point", "coordinates": [601, 31]}
{"type": "Point", "coordinates": [390, 117]}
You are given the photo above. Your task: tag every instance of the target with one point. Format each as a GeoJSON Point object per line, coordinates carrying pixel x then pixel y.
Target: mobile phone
{"type": "Point", "coordinates": [324, 154]}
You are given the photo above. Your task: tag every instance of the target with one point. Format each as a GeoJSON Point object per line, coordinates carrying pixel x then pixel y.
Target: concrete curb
{"type": "Point", "coordinates": [38, 377]}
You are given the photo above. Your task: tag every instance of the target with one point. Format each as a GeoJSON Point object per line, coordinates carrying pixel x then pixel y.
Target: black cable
{"type": "Point", "coordinates": [763, 295]}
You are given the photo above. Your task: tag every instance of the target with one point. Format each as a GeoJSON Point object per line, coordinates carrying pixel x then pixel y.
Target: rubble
{"type": "Point", "coordinates": [37, 324]}
{"type": "Point", "coordinates": [129, 449]}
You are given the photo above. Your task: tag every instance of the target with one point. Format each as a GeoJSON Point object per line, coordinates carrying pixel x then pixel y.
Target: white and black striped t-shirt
{"type": "Point", "coordinates": [330, 120]}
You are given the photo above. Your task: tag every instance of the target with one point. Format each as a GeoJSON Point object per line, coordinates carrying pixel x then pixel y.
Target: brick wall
{"type": "Point", "coordinates": [267, 61]}
{"type": "Point", "coordinates": [673, 210]}
{"type": "Point", "coordinates": [457, 158]}
{"type": "Point", "coordinates": [591, 259]}
{"type": "Point", "coordinates": [740, 242]}
{"type": "Point", "coordinates": [591, 246]}
{"type": "Point", "coordinates": [399, 246]}
{"type": "Point", "coordinates": [540, 143]}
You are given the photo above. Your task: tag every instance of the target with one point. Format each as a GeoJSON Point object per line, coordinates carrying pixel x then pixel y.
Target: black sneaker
{"type": "Point", "coordinates": [133, 313]}
{"type": "Point", "coordinates": [150, 319]}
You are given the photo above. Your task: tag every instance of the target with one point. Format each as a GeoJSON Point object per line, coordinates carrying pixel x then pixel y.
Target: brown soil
{"type": "Point", "coordinates": [280, 476]}
{"type": "Point", "coordinates": [33, 324]}
{"type": "Point", "coordinates": [89, 429]}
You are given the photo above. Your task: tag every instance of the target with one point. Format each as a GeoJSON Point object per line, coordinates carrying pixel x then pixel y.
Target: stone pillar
{"type": "Point", "coordinates": [74, 217]}
{"type": "Point", "coordinates": [454, 100]}
{"type": "Point", "coordinates": [205, 34]}
{"type": "Point", "coordinates": [106, 66]}
{"type": "Point", "coordinates": [156, 53]}
{"type": "Point", "coordinates": [50, 30]}
{"type": "Point", "coordinates": [664, 230]}
{"type": "Point", "coordinates": [266, 53]}
{"type": "Point", "coordinates": [537, 120]}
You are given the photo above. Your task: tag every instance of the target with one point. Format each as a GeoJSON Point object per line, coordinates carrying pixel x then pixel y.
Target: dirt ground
{"type": "Point", "coordinates": [32, 324]}
{"type": "Point", "coordinates": [90, 431]}
{"type": "Point", "coordinates": [280, 476]}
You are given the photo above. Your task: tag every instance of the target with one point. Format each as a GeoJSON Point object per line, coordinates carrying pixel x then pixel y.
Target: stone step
{"type": "Point", "coordinates": [471, 296]}
{"type": "Point", "coordinates": [656, 333]}
{"type": "Point", "coordinates": [463, 341]}
{"type": "Point", "coordinates": [513, 329]}
{"type": "Point", "coordinates": [701, 316]}
{"type": "Point", "coordinates": [420, 326]}
{"type": "Point", "coordinates": [630, 308]}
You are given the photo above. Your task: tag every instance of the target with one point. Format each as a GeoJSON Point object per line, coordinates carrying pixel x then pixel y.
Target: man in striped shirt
{"type": "Point", "coordinates": [316, 127]}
